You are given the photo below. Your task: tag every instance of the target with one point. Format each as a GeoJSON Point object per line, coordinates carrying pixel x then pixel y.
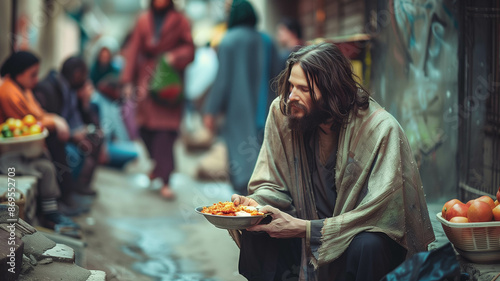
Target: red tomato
{"type": "Point", "coordinates": [488, 200]}
{"type": "Point", "coordinates": [470, 202]}
{"type": "Point", "coordinates": [458, 210]}
{"type": "Point", "coordinates": [479, 211]}
{"type": "Point", "coordinates": [496, 213]}
{"type": "Point", "coordinates": [448, 206]}
{"type": "Point", "coordinates": [459, 220]}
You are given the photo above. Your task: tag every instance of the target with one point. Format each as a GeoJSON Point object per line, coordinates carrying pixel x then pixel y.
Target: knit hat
{"type": "Point", "coordinates": [17, 63]}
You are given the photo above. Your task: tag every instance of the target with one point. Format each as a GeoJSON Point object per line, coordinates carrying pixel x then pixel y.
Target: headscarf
{"type": "Point", "coordinates": [242, 13]}
{"type": "Point", "coordinates": [163, 11]}
{"type": "Point", "coordinates": [17, 63]}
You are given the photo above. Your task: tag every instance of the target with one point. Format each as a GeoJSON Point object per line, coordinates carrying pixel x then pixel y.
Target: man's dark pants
{"type": "Point", "coordinates": [370, 256]}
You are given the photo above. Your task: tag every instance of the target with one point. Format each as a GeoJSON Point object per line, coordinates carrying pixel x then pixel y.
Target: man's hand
{"type": "Point", "coordinates": [169, 58]}
{"type": "Point", "coordinates": [242, 200]}
{"type": "Point", "coordinates": [62, 128]}
{"type": "Point", "coordinates": [79, 135]}
{"type": "Point", "coordinates": [282, 226]}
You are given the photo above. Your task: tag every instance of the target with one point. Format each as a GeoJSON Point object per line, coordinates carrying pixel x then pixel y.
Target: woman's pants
{"type": "Point", "coordinates": [160, 145]}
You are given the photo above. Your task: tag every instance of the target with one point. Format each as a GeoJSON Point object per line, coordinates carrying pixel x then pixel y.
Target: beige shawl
{"type": "Point", "coordinates": [377, 180]}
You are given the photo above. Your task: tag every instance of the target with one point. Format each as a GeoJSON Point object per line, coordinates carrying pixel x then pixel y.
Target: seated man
{"type": "Point", "coordinates": [337, 172]}
{"type": "Point", "coordinates": [63, 94]}
{"type": "Point", "coordinates": [20, 72]}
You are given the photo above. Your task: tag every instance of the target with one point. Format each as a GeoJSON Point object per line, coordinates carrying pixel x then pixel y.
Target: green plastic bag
{"type": "Point", "coordinates": [166, 85]}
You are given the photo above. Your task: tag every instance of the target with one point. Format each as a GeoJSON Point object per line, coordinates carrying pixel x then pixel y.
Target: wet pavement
{"type": "Point", "coordinates": [133, 234]}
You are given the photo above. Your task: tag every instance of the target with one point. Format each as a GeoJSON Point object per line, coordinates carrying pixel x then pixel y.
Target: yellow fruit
{"type": "Point", "coordinates": [26, 130]}
{"type": "Point", "coordinates": [18, 124]}
{"type": "Point", "coordinates": [35, 129]}
{"type": "Point", "coordinates": [29, 120]}
{"type": "Point", "coordinates": [11, 122]}
{"type": "Point", "coordinates": [17, 132]}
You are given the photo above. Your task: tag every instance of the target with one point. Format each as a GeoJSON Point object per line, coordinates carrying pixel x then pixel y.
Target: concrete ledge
{"type": "Point", "coordinates": [56, 271]}
{"type": "Point", "coordinates": [61, 253]}
{"type": "Point", "coordinates": [36, 244]}
{"type": "Point", "coordinates": [97, 275]}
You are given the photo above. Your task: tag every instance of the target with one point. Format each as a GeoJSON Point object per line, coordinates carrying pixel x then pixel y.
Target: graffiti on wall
{"type": "Point", "coordinates": [416, 55]}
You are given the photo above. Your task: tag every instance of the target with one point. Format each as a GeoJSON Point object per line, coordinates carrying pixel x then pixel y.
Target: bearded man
{"type": "Point", "coordinates": [338, 175]}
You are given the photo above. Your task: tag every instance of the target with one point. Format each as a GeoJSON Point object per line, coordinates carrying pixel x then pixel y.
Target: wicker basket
{"type": "Point", "coordinates": [20, 202]}
{"type": "Point", "coordinates": [476, 241]}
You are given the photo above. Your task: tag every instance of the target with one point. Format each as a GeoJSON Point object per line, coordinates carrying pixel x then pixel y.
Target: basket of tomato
{"type": "Point", "coordinates": [473, 228]}
{"type": "Point", "coordinates": [25, 136]}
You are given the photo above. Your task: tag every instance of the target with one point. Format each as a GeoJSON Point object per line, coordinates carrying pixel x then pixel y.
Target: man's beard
{"type": "Point", "coordinates": [309, 121]}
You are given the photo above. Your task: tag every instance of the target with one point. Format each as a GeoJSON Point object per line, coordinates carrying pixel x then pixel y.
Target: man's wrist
{"type": "Point", "coordinates": [302, 228]}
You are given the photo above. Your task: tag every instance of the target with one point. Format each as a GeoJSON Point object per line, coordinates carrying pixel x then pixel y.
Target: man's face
{"type": "Point", "coordinates": [29, 77]}
{"type": "Point", "coordinates": [78, 79]}
{"type": "Point", "coordinates": [160, 5]}
{"type": "Point", "coordinates": [283, 35]}
{"type": "Point", "coordinates": [302, 113]}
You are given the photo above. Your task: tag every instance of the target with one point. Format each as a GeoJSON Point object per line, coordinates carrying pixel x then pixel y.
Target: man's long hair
{"type": "Point", "coordinates": [325, 66]}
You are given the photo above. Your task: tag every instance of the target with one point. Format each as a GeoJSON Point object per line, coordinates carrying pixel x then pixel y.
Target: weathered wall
{"type": "Point", "coordinates": [415, 77]}
{"type": "Point", "coordinates": [5, 29]}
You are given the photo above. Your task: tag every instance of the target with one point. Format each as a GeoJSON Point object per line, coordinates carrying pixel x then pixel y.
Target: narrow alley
{"type": "Point", "coordinates": [134, 234]}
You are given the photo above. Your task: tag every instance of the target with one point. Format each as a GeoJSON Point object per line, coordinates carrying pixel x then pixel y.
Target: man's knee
{"type": "Point", "coordinates": [44, 166]}
{"type": "Point", "coordinates": [368, 243]}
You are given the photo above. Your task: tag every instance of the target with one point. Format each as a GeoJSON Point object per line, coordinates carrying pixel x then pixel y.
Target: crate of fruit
{"type": "Point", "coordinates": [473, 228]}
{"type": "Point", "coordinates": [25, 136]}
{"type": "Point", "coordinates": [476, 241]}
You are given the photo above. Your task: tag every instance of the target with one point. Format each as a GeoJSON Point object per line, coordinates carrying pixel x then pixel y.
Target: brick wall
{"type": "Point", "coordinates": [341, 17]}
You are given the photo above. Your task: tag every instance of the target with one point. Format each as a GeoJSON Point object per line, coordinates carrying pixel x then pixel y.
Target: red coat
{"type": "Point", "coordinates": [141, 57]}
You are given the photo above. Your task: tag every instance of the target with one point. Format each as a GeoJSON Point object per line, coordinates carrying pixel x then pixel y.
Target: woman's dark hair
{"type": "Point", "coordinates": [242, 13]}
{"type": "Point", "coordinates": [162, 11]}
{"type": "Point", "coordinates": [325, 66]}
{"type": "Point", "coordinates": [17, 63]}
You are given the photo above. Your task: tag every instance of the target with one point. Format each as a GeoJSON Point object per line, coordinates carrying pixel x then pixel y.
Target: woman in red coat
{"type": "Point", "coordinates": [159, 31]}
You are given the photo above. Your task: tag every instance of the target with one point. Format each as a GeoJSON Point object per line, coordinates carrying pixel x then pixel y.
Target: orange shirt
{"type": "Point", "coordinates": [14, 103]}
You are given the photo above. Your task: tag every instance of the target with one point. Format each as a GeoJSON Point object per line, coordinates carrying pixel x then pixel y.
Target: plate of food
{"type": "Point", "coordinates": [226, 215]}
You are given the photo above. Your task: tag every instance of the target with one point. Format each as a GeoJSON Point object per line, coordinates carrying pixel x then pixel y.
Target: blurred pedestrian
{"type": "Point", "coordinates": [247, 62]}
{"type": "Point", "coordinates": [20, 73]}
{"type": "Point", "coordinates": [289, 37]}
{"type": "Point", "coordinates": [103, 65]}
{"type": "Point", "coordinates": [160, 33]}
{"type": "Point", "coordinates": [108, 106]}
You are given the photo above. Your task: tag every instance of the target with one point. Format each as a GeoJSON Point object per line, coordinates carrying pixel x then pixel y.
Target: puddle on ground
{"type": "Point", "coordinates": [151, 241]}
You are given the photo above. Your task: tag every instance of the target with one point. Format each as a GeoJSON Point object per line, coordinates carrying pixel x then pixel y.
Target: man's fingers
{"type": "Point", "coordinates": [236, 199]}
{"type": "Point", "coordinates": [257, 228]}
{"type": "Point", "coordinates": [269, 209]}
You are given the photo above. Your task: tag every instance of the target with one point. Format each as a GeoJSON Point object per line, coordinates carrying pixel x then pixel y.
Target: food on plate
{"type": "Point", "coordinates": [228, 209]}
